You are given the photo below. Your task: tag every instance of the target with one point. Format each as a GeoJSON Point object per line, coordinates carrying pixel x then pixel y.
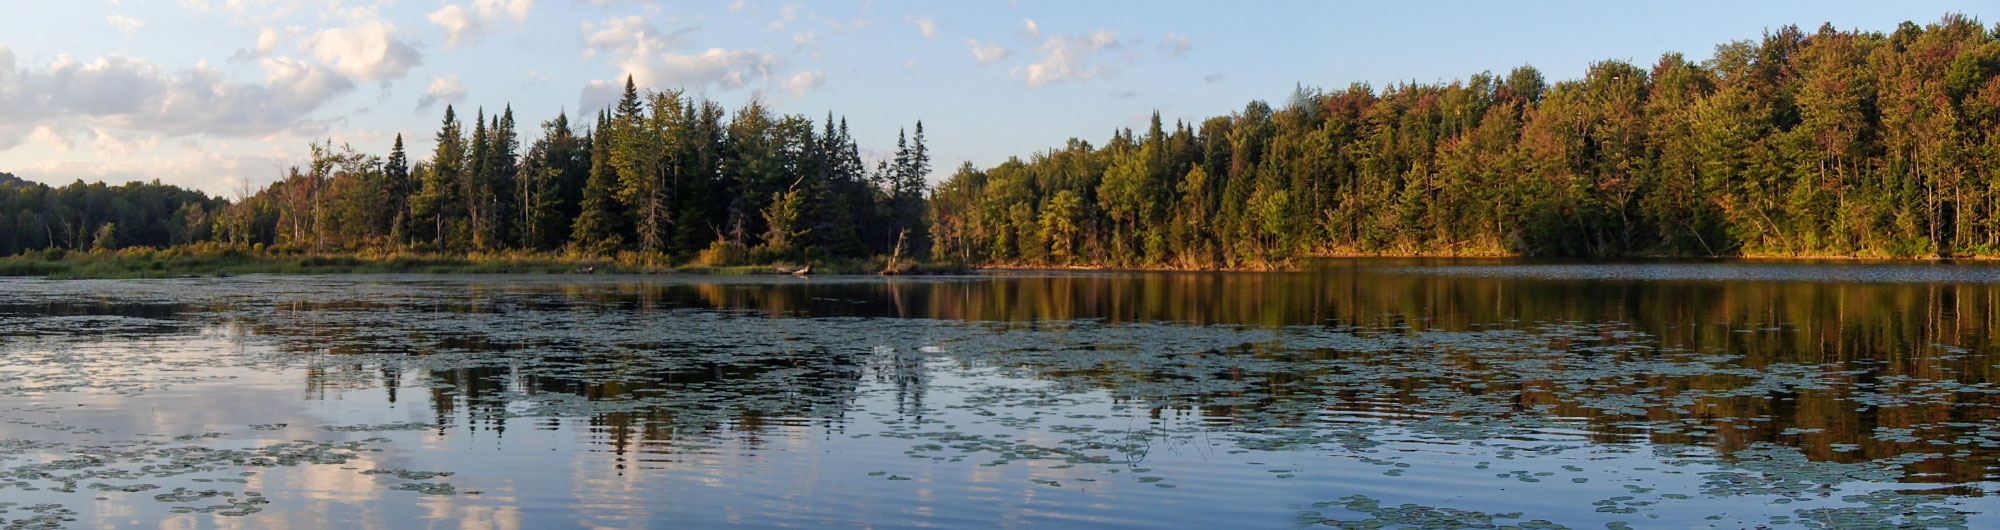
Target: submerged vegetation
{"type": "Point", "coordinates": [1362, 397]}
{"type": "Point", "coordinates": [1820, 143]}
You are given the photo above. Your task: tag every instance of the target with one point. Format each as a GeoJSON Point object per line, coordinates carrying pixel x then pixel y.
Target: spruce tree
{"type": "Point", "coordinates": [475, 181]}
{"type": "Point", "coordinates": [437, 203]}
{"type": "Point", "coordinates": [598, 226]}
{"type": "Point", "coordinates": [396, 174]}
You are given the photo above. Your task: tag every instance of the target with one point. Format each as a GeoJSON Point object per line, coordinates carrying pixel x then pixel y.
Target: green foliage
{"type": "Point", "coordinates": [1829, 143]}
{"type": "Point", "coordinates": [786, 222]}
{"type": "Point", "coordinates": [653, 181]}
{"type": "Point", "coordinates": [35, 216]}
{"type": "Point", "coordinates": [1059, 225]}
{"type": "Point", "coordinates": [601, 219]}
{"type": "Point", "coordinates": [1823, 143]}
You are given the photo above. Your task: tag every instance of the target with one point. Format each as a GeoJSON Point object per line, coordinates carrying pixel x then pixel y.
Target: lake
{"type": "Point", "coordinates": [1361, 393]}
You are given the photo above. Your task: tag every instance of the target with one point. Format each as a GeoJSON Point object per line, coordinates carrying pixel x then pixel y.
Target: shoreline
{"type": "Point", "coordinates": [1303, 264]}
{"type": "Point", "coordinates": [215, 261]}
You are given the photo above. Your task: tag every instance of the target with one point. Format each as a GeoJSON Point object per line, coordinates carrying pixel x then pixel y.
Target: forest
{"type": "Point", "coordinates": [661, 175]}
{"type": "Point", "coordinates": [1824, 143]}
{"type": "Point", "coordinates": [1828, 143]}
{"type": "Point", "coordinates": [35, 216]}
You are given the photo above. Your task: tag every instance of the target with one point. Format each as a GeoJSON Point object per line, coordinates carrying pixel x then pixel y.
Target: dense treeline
{"type": "Point", "coordinates": [1823, 143]}
{"type": "Point", "coordinates": [661, 174]}
{"type": "Point", "coordinates": [78, 216]}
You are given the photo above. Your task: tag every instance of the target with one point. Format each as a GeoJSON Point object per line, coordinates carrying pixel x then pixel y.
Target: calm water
{"type": "Point", "coordinates": [1377, 392]}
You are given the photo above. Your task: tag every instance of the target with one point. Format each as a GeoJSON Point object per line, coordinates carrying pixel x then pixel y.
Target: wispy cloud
{"type": "Point", "coordinates": [925, 25]}
{"type": "Point", "coordinates": [466, 23]}
{"type": "Point", "coordinates": [1069, 58]}
{"type": "Point", "coordinates": [267, 42]}
{"type": "Point", "coordinates": [804, 82]}
{"type": "Point", "coordinates": [443, 89]}
{"type": "Point", "coordinates": [125, 24]}
{"type": "Point", "coordinates": [1175, 46]}
{"type": "Point", "coordinates": [988, 53]}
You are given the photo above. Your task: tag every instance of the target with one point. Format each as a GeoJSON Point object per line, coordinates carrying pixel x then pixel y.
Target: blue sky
{"type": "Point", "coordinates": [220, 94]}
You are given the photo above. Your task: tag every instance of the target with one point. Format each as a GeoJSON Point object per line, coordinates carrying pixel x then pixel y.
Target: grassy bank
{"type": "Point", "coordinates": [208, 260]}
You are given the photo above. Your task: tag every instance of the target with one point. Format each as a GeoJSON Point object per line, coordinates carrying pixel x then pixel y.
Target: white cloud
{"type": "Point", "coordinates": [738, 6]}
{"type": "Point", "coordinates": [717, 66]}
{"type": "Point", "coordinates": [629, 37]}
{"type": "Point", "coordinates": [267, 42]}
{"type": "Point", "coordinates": [300, 83]}
{"type": "Point", "coordinates": [1034, 30]}
{"type": "Point", "coordinates": [988, 53]}
{"type": "Point", "coordinates": [368, 51]}
{"type": "Point", "coordinates": [212, 171]}
{"type": "Point", "coordinates": [58, 141]}
{"type": "Point", "coordinates": [460, 23]}
{"type": "Point", "coordinates": [128, 96]}
{"type": "Point", "coordinates": [1176, 46]}
{"type": "Point", "coordinates": [926, 25]}
{"type": "Point", "coordinates": [466, 23]}
{"type": "Point", "coordinates": [539, 78]}
{"type": "Point", "coordinates": [643, 52]}
{"type": "Point", "coordinates": [111, 144]}
{"type": "Point", "coordinates": [125, 24]}
{"type": "Point", "coordinates": [444, 89]}
{"type": "Point", "coordinates": [1068, 58]}
{"type": "Point", "coordinates": [804, 82]}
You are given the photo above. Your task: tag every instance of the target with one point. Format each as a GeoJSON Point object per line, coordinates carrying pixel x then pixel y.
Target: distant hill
{"type": "Point", "coordinates": [9, 178]}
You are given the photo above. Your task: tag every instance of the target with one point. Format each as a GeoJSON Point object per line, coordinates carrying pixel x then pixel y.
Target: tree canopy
{"type": "Point", "coordinates": [1797, 143]}
{"type": "Point", "coordinates": [1825, 142]}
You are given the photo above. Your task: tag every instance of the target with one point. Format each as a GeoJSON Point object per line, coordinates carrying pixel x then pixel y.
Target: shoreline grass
{"type": "Point", "coordinates": [211, 260]}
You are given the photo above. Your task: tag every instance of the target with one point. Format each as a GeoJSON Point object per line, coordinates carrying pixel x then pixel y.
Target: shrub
{"type": "Point", "coordinates": [723, 253]}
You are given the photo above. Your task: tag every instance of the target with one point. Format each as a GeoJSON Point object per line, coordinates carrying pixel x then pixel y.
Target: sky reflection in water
{"type": "Point", "coordinates": [1471, 393]}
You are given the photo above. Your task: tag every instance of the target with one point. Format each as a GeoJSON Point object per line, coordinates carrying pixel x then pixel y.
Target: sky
{"type": "Point", "coordinates": [223, 95]}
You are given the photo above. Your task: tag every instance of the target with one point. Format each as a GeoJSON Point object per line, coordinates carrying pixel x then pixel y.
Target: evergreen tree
{"type": "Point", "coordinates": [396, 173]}
{"type": "Point", "coordinates": [553, 176]}
{"type": "Point", "coordinates": [438, 201]}
{"type": "Point", "coordinates": [475, 184]}
{"type": "Point", "coordinates": [600, 222]}
{"type": "Point", "coordinates": [502, 180]}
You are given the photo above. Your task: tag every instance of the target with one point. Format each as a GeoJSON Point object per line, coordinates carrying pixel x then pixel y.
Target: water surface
{"type": "Point", "coordinates": [1362, 393]}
